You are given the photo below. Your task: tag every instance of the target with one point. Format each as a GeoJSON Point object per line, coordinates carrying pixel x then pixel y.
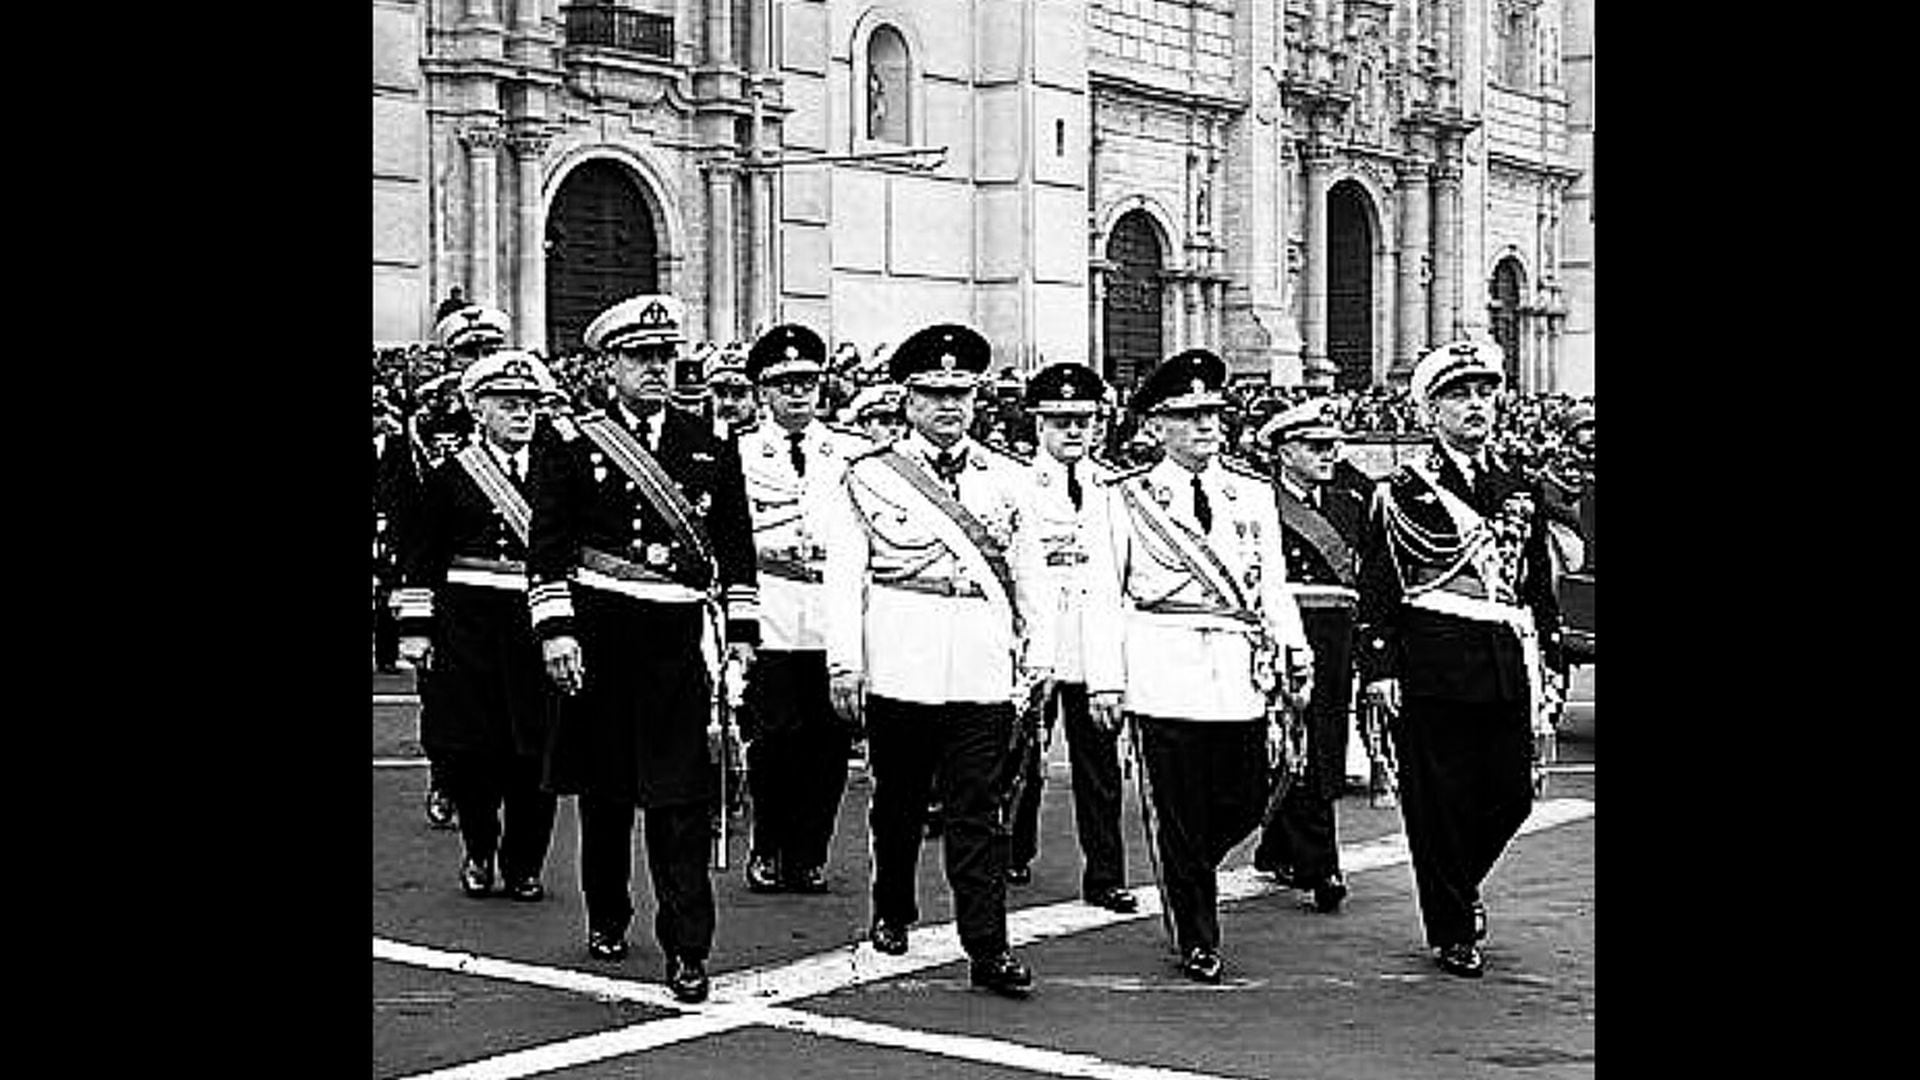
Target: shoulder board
{"type": "Point", "coordinates": [871, 452]}
{"type": "Point", "coordinates": [1123, 475]}
{"type": "Point", "coordinates": [844, 429]}
{"type": "Point", "coordinates": [747, 429]}
{"type": "Point", "coordinates": [590, 414]}
{"type": "Point", "coordinates": [563, 426]}
{"type": "Point", "coordinates": [1241, 468]}
{"type": "Point", "coordinates": [1007, 456]}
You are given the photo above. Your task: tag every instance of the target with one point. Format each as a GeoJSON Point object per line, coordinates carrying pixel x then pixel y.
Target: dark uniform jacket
{"type": "Point", "coordinates": [639, 729]}
{"type": "Point", "coordinates": [1329, 629]}
{"type": "Point", "coordinates": [582, 499]}
{"type": "Point", "coordinates": [486, 688]}
{"type": "Point", "coordinates": [1442, 655]}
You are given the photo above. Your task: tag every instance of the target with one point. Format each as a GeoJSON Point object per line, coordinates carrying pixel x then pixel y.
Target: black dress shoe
{"type": "Point", "coordinates": [525, 890]}
{"type": "Point", "coordinates": [1115, 899]}
{"type": "Point", "coordinates": [1002, 974]}
{"type": "Point", "coordinates": [607, 945]}
{"type": "Point", "coordinates": [687, 978]}
{"type": "Point", "coordinates": [1201, 964]}
{"type": "Point", "coordinates": [889, 938]}
{"type": "Point", "coordinates": [1328, 894]}
{"type": "Point", "coordinates": [812, 880]}
{"type": "Point", "coordinates": [1479, 921]}
{"type": "Point", "coordinates": [763, 875]}
{"type": "Point", "coordinates": [476, 878]}
{"type": "Point", "coordinates": [440, 813]}
{"type": "Point", "coordinates": [1019, 875]}
{"type": "Point", "coordinates": [1461, 958]}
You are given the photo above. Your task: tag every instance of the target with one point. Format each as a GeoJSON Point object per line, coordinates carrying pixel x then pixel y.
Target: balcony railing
{"type": "Point", "coordinates": [621, 29]}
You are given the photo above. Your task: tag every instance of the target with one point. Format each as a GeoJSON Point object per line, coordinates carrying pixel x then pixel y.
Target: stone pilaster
{"type": "Point", "coordinates": [1098, 270]}
{"type": "Point", "coordinates": [1416, 258]}
{"type": "Point", "coordinates": [482, 142]}
{"type": "Point", "coordinates": [1444, 325]}
{"type": "Point", "coordinates": [722, 320]}
{"type": "Point", "coordinates": [530, 308]}
{"type": "Point", "coordinates": [1318, 161]}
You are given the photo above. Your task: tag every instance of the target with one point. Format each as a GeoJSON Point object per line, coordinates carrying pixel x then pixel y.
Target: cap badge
{"type": "Point", "coordinates": [655, 314]}
{"type": "Point", "coordinates": [1199, 386]}
{"type": "Point", "coordinates": [948, 361]}
{"type": "Point", "coordinates": [793, 353]}
{"type": "Point", "coordinates": [1066, 391]}
{"type": "Point", "coordinates": [518, 369]}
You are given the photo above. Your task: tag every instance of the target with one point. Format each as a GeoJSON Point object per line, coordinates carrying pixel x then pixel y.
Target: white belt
{"type": "Point", "coordinates": [1519, 619]}
{"type": "Point", "coordinates": [1323, 596]}
{"type": "Point", "coordinates": [486, 579]}
{"type": "Point", "coordinates": [658, 592]}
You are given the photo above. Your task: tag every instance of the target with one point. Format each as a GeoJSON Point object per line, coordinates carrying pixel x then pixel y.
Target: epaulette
{"type": "Point", "coordinates": [1234, 465]}
{"type": "Point", "coordinates": [1123, 475]}
{"type": "Point", "coordinates": [1005, 453]}
{"type": "Point", "coordinates": [873, 451]}
{"type": "Point", "coordinates": [845, 429]}
{"type": "Point", "coordinates": [747, 429]}
{"type": "Point", "coordinates": [563, 427]}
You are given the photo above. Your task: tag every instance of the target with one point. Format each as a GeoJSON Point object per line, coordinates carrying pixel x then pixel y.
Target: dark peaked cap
{"type": "Point", "coordinates": [787, 349]}
{"type": "Point", "coordinates": [1188, 380]}
{"type": "Point", "coordinates": [1066, 389]}
{"type": "Point", "coordinates": [945, 355]}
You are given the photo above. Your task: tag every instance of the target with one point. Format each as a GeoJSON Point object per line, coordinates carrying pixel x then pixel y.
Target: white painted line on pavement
{"type": "Point", "coordinates": [399, 762]}
{"type": "Point", "coordinates": [746, 998]}
{"type": "Point", "coordinates": [972, 1048]}
{"type": "Point", "coordinates": [396, 699]}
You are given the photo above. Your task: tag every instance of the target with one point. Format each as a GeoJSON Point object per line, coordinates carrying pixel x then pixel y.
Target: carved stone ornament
{"type": "Point", "coordinates": [484, 137]}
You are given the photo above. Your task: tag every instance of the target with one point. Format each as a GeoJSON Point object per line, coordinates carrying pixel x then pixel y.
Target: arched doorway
{"type": "Point", "coordinates": [600, 249]}
{"type": "Point", "coordinates": [1504, 313]}
{"type": "Point", "coordinates": [1349, 286]}
{"type": "Point", "coordinates": [1131, 311]}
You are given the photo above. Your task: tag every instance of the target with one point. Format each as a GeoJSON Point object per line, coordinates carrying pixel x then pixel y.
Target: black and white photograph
{"type": "Point", "coordinates": [983, 538]}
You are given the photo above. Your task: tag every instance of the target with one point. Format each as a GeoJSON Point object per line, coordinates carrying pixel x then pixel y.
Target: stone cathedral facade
{"type": "Point", "coordinates": [1316, 189]}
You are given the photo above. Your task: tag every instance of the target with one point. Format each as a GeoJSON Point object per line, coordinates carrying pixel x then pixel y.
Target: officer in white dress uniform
{"type": "Point", "coordinates": [933, 632]}
{"type": "Point", "coordinates": [1064, 399]}
{"type": "Point", "coordinates": [797, 746]}
{"type": "Point", "coordinates": [1190, 628]}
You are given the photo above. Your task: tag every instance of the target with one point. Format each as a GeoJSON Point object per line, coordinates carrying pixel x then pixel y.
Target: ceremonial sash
{"type": "Point", "coordinates": [1434, 596]}
{"type": "Point", "coordinates": [1214, 578]}
{"type": "Point", "coordinates": [1319, 533]}
{"type": "Point", "coordinates": [978, 540]}
{"type": "Point", "coordinates": [655, 485]}
{"type": "Point", "coordinates": [499, 490]}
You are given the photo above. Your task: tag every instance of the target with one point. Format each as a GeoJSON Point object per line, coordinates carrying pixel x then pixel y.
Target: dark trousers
{"type": "Point", "coordinates": [1302, 833]}
{"type": "Point", "coordinates": [967, 742]}
{"type": "Point", "coordinates": [386, 627]}
{"type": "Point", "coordinates": [677, 838]}
{"type": "Point", "coordinates": [796, 759]}
{"type": "Point", "coordinates": [1209, 789]}
{"type": "Point", "coordinates": [1465, 789]}
{"type": "Point", "coordinates": [1094, 758]}
{"type": "Point", "coordinates": [501, 809]}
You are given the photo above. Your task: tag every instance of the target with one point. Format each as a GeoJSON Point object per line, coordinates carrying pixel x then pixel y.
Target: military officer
{"type": "Point", "coordinates": [464, 629]}
{"type": "Point", "coordinates": [1063, 399]}
{"type": "Point", "coordinates": [934, 630]}
{"type": "Point", "coordinates": [1458, 639]}
{"type": "Point", "coordinates": [441, 426]}
{"type": "Point", "coordinates": [1320, 522]}
{"type": "Point", "coordinates": [1190, 629]}
{"type": "Point", "coordinates": [636, 523]}
{"type": "Point", "coordinates": [797, 745]}
{"type": "Point", "coordinates": [733, 399]}
{"type": "Point", "coordinates": [877, 411]}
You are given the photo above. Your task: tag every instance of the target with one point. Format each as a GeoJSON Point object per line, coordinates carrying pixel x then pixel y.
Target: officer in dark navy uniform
{"type": "Point", "coordinates": [1459, 640]}
{"type": "Point", "coordinates": [642, 574]}
{"type": "Point", "coordinates": [1320, 521]}
{"type": "Point", "coordinates": [464, 629]}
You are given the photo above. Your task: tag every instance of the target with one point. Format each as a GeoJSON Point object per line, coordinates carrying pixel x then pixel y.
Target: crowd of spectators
{"type": "Point", "coordinates": [1529, 436]}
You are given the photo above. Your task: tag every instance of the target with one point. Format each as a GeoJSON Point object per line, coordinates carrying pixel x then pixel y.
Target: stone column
{"type": "Point", "coordinates": [483, 176]}
{"type": "Point", "coordinates": [1445, 317]}
{"type": "Point", "coordinates": [1097, 272]}
{"type": "Point", "coordinates": [719, 32]}
{"type": "Point", "coordinates": [530, 310]}
{"type": "Point", "coordinates": [1173, 309]}
{"type": "Point", "coordinates": [1416, 247]}
{"type": "Point", "coordinates": [1318, 160]}
{"type": "Point", "coordinates": [722, 324]}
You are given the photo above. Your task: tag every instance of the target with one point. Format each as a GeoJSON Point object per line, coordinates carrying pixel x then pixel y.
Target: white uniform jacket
{"type": "Point", "coordinates": [785, 508]}
{"type": "Point", "coordinates": [1066, 537]}
{"type": "Point", "coordinates": [911, 603]}
{"type": "Point", "coordinates": [1186, 663]}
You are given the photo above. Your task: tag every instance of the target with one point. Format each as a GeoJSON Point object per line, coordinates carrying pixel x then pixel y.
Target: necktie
{"type": "Point", "coordinates": [795, 453]}
{"type": "Point", "coordinates": [947, 466]}
{"type": "Point", "coordinates": [1074, 490]}
{"type": "Point", "coordinates": [1202, 510]}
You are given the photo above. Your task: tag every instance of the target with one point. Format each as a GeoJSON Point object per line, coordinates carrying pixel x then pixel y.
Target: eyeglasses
{"type": "Point", "coordinates": [805, 384]}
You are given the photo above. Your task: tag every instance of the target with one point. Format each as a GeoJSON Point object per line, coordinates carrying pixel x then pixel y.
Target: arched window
{"type": "Point", "coordinates": [888, 87]}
